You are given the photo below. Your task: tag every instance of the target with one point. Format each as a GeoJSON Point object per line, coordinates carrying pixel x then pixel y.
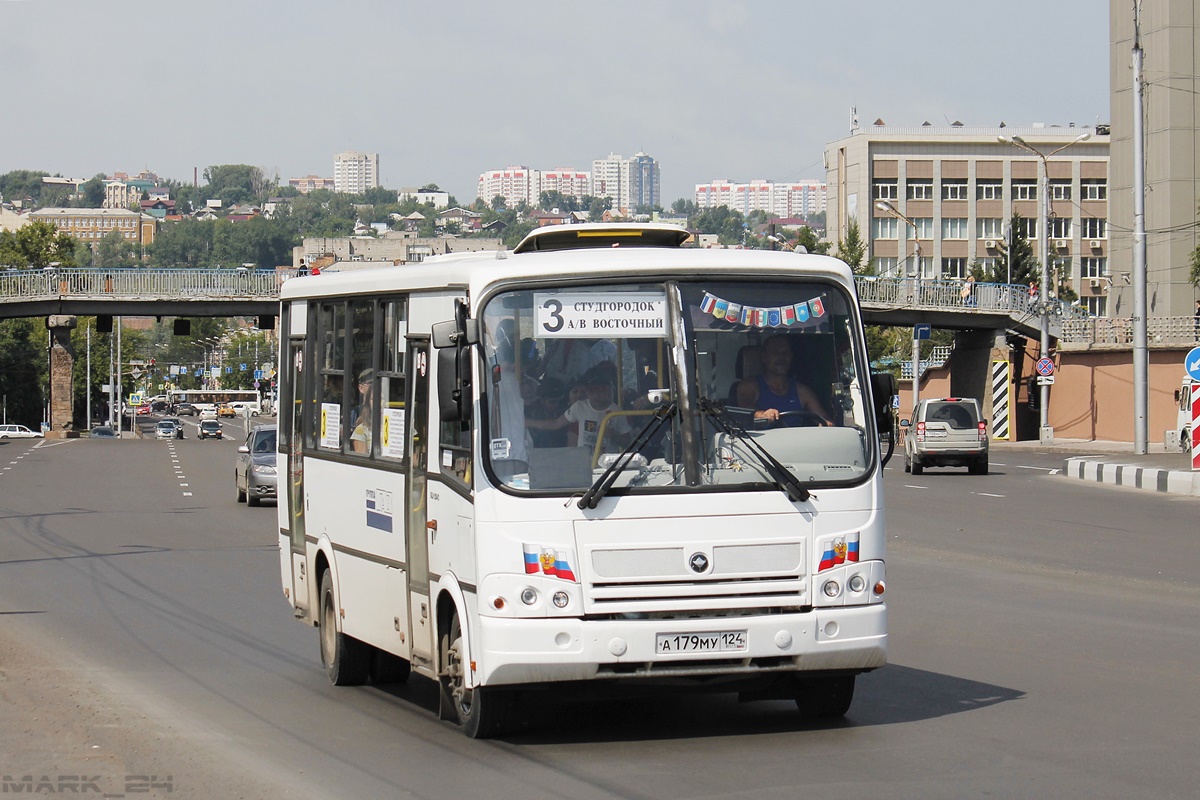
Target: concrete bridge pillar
{"type": "Point", "coordinates": [62, 362]}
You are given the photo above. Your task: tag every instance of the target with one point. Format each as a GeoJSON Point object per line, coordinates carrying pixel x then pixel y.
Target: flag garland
{"type": "Point", "coordinates": [754, 317]}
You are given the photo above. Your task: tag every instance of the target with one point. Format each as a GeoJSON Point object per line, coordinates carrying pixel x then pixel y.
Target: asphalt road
{"type": "Point", "coordinates": [1044, 637]}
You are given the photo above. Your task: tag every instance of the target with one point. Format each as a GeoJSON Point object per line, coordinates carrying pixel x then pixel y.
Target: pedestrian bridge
{"type": "Point", "coordinates": [248, 292]}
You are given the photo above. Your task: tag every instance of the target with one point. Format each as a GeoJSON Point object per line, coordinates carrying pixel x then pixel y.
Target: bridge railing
{"type": "Point", "coordinates": [1119, 330]}
{"type": "Point", "coordinates": [26, 285]}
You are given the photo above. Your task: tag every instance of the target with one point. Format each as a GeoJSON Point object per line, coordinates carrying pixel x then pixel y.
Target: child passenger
{"type": "Point", "coordinates": [589, 412]}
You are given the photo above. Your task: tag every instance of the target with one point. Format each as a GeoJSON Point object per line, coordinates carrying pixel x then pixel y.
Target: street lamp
{"type": "Point", "coordinates": [1045, 432]}
{"type": "Point", "coordinates": [888, 208]}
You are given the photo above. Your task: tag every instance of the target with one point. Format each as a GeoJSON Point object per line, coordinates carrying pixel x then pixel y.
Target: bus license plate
{"type": "Point", "coordinates": [708, 642]}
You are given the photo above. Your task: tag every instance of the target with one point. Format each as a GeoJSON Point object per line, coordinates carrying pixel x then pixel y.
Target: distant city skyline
{"type": "Point", "coordinates": [713, 89]}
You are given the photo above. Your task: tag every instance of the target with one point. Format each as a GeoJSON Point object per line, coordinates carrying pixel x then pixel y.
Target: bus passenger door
{"type": "Point", "coordinates": [295, 478]}
{"type": "Point", "coordinates": [420, 610]}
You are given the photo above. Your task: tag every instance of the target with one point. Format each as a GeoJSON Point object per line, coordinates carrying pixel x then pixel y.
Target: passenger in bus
{"type": "Point", "coordinates": [549, 402]}
{"type": "Point", "coordinates": [360, 438]}
{"type": "Point", "coordinates": [775, 391]}
{"type": "Point", "coordinates": [590, 411]}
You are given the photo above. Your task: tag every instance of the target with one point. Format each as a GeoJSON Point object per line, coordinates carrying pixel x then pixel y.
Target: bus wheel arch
{"type": "Point", "coordinates": [481, 711]}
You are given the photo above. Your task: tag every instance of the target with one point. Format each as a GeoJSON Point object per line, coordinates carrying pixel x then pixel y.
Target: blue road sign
{"type": "Point", "coordinates": [258, 374]}
{"type": "Point", "coordinates": [241, 367]}
{"type": "Point", "coordinates": [1191, 362]}
{"type": "Point", "coordinates": [1045, 366]}
{"type": "Point", "coordinates": [922, 330]}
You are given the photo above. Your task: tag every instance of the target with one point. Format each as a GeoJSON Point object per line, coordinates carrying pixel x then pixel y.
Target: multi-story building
{"type": "Point", "coordinates": [124, 192]}
{"type": "Point", "coordinates": [1170, 40]}
{"type": "Point", "coordinates": [436, 197]}
{"type": "Point", "coordinates": [794, 199]}
{"type": "Point", "coordinates": [933, 201]}
{"type": "Point", "coordinates": [632, 183]}
{"type": "Point", "coordinates": [516, 184]}
{"type": "Point", "coordinates": [355, 173]}
{"type": "Point", "coordinates": [92, 224]}
{"type": "Point", "coordinates": [567, 181]}
{"type": "Point", "coordinates": [310, 183]}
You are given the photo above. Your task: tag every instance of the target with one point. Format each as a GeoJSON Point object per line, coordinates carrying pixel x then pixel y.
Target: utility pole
{"type": "Point", "coordinates": [1141, 353]}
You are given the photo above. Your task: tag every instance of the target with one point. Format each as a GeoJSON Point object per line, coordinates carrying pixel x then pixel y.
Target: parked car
{"type": "Point", "coordinates": [225, 410]}
{"type": "Point", "coordinates": [18, 432]}
{"type": "Point", "coordinates": [254, 475]}
{"type": "Point", "coordinates": [210, 429]}
{"type": "Point", "coordinates": [946, 432]}
{"type": "Point", "coordinates": [166, 430]}
{"type": "Point", "coordinates": [104, 432]}
{"type": "Point", "coordinates": [186, 410]}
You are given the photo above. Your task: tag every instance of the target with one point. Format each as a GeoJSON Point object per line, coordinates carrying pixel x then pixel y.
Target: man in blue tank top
{"type": "Point", "coordinates": [776, 391]}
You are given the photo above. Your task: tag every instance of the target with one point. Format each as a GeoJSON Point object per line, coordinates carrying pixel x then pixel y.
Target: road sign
{"type": "Point", "coordinates": [1191, 362]}
{"type": "Point", "coordinates": [895, 401]}
{"type": "Point", "coordinates": [1045, 366]}
{"type": "Point", "coordinates": [135, 399]}
{"type": "Point", "coordinates": [242, 367]}
{"type": "Point", "coordinates": [1045, 380]}
{"type": "Point", "coordinates": [922, 330]}
{"type": "Point", "coordinates": [258, 374]}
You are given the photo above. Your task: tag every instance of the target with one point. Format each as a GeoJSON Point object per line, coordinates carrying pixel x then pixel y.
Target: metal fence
{"type": "Point", "coordinates": [1068, 323]}
{"type": "Point", "coordinates": [147, 284]}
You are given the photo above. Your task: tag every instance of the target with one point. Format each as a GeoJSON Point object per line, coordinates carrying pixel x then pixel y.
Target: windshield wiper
{"type": "Point", "coordinates": [784, 478]}
{"type": "Point", "coordinates": [607, 478]}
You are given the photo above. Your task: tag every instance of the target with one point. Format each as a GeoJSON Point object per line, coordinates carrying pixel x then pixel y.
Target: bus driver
{"type": "Point", "coordinates": [776, 391]}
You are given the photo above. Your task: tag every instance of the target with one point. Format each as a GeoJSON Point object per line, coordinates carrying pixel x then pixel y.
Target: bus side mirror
{"type": "Point", "coordinates": [454, 384]}
{"type": "Point", "coordinates": [883, 388]}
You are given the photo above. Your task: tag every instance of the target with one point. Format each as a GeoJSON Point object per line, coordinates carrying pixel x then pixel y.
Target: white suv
{"type": "Point", "coordinates": [946, 432]}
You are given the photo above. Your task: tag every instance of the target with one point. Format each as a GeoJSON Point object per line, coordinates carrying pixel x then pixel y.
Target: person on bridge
{"type": "Point", "coordinates": [968, 292]}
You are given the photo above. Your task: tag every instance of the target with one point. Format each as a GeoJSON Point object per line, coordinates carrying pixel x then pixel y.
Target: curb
{"type": "Point", "coordinates": [1132, 476]}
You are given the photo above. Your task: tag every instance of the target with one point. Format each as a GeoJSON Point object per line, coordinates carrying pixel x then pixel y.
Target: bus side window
{"type": "Point", "coordinates": [457, 465]}
{"type": "Point", "coordinates": [330, 405]}
{"type": "Point", "coordinates": [391, 383]}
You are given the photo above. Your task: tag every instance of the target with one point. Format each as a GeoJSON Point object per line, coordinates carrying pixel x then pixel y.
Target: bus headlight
{"type": "Point", "coordinates": [560, 599]}
{"type": "Point", "coordinates": [831, 588]}
{"type": "Point", "coordinates": [856, 583]}
{"type": "Point", "coordinates": [529, 595]}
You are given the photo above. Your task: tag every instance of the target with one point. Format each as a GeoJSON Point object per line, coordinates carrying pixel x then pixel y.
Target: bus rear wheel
{"type": "Point", "coordinates": [824, 698]}
{"type": "Point", "coordinates": [483, 711]}
{"type": "Point", "coordinates": [346, 660]}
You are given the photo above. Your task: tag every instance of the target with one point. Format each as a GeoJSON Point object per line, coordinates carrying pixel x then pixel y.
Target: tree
{"type": "Point", "coordinates": [36, 245]}
{"type": "Point", "coordinates": [91, 191]}
{"type": "Point", "coordinates": [852, 249]}
{"type": "Point", "coordinates": [808, 239]}
{"type": "Point", "coordinates": [23, 344]}
{"type": "Point", "coordinates": [1025, 267]}
{"type": "Point", "coordinates": [114, 251]}
{"type": "Point", "coordinates": [21, 185]}
{"type": "Point", "coordinates": [1194, 274]}
{"type": "Point", "coordinates": [233, 184]}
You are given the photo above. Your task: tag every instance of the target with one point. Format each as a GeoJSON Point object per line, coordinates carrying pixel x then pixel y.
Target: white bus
{"type": "Point", "coordinates": [516, 471]}
{"type": "Point", "coordinates": [209, 399]}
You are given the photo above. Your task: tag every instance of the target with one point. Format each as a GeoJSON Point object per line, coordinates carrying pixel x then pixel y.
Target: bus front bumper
{"type": "Point", "coordinates": [529, 651]}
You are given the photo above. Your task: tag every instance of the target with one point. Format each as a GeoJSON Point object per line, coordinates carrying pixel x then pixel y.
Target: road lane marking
{"type": "Point", "coordinates": [1043, 469]}
{"type": "Point", "coordinates": [914, 486]}
{"type": "Point", "coordinates": [989, 494]}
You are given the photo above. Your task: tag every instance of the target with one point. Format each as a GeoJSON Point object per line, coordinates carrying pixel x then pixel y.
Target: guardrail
{"type": "Point", "coordinates": [1067, 323]}
{"type": "Point", "coordinates": [149, 284]}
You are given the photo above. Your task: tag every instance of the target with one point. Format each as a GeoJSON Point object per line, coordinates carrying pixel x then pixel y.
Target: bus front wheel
{"type": "Point", "coordinates": [824, 698]}
{"type": "Point", "coordinates": [482, 712]}
{"type": "Point", "coordinates": [346, 660]}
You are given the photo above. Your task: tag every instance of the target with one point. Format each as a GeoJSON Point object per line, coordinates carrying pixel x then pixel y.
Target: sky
{"type": "Point", "coordinates": [442, 91]}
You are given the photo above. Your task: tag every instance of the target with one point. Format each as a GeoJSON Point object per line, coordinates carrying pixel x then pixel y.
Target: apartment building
{"type": "Point", "coordinates": [310, 183]}
{"type": "Point", "coordinates": [795, 199]}
{"type": "Point", "coordinates": [354, 172]}
{"type": "Point", "coordinates": [516, 184]}
{"type": "Point", "coordinates": [631, 182]}
{"type": "Point", "coordinates": [933, 201]}
{"type": "Point", "coordinates": [567, 181]}
{"type": "Point", "coordinates": [92, 224]}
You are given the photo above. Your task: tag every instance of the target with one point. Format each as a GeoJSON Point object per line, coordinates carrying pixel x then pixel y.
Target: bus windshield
{"type": "Point", "coordinates": [674, 386]}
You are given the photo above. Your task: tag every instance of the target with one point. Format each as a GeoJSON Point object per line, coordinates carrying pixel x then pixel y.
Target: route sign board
{"type": "Point", "coordinates": [1191, 362]}
{"type": "Point", "coordinates": [1045, 366]}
